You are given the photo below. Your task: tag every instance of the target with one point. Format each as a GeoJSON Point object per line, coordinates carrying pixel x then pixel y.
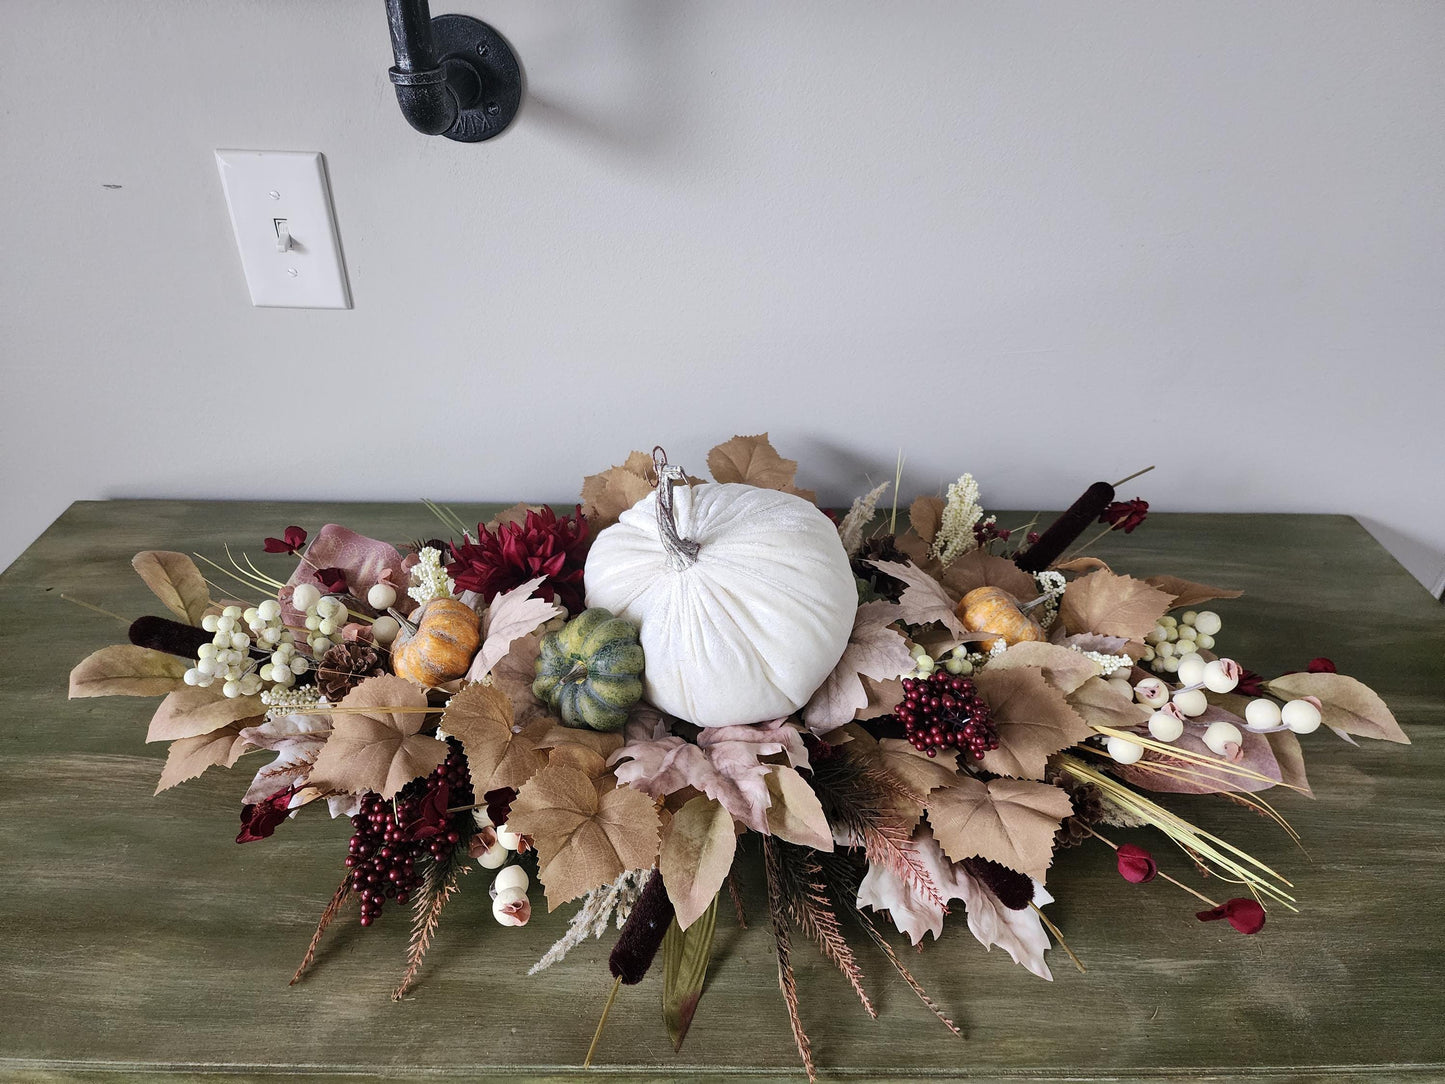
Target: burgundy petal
{"type": "Point", "coordinates": [1245, 915]}
{"type": "Point", "coordinates": [1136, 865]}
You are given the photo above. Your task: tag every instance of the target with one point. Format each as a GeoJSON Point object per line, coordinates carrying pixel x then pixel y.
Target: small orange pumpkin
{"type": "Point", "coordinates": [442, 647]}
{"type": "Point", "coordinates": [992, 609]}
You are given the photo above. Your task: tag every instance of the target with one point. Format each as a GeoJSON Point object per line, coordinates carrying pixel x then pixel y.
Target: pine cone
{"type": "Point", "coordinates": [1088, 810]}
{"type": "Point", "coordinates": [344, 667]}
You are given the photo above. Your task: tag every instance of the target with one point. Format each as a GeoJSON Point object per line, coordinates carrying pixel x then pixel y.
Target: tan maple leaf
{"type": "Point", "coordinates": [191, 711]}
{"type": "Point", "coordinates": [189, 757]}
{"type": "Point", "coordinates": [923, 600]}
{"type": "Point", "coordinates": [753, 461]}
{"type": "Point", "coordinates": [874, 650]}
{"type": "Point", "coordinates": [176, 581]}
{"type": "Point", "coordinates": [1189, 594]}
{"type": "Point", "coordinates": [979, 568]}
{"type": "Point", "coordinates": [377, 749]}
{"type": "Point", "coordinates": [606, 495]}
{"type": "Point", "coordinates": [1113, 605]}
{"type": "Point", "coordinates": [480, 717]}
{"type": "Point", "coordinates": [514, 674]}
{"type": "Point", "coordinates": [1065, 670]}
{"type": "Point", "coordinates": [916, 774]}
{"type": "Point", "coordinates": [585, 836]}
{"type": "Point", "coordinates": [1008, 821]}
{"type": "Point", "coordinates": [127, 670]}
{"type": "Point", "coordinates": [883, 697]}
{"type": "Point", "coordinates": [1032, 718]}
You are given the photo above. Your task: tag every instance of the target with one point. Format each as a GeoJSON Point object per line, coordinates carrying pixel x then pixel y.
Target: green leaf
{"type": "Point", "coordinates": [685, 956]}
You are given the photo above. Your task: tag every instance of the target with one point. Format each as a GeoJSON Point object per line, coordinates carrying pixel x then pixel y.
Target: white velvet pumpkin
{"type": "Point", "coordinates": [749, 631]}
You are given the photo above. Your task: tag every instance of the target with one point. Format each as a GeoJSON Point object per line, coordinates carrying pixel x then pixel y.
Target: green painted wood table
{"type": "Point", "coordinates": [136, 939]}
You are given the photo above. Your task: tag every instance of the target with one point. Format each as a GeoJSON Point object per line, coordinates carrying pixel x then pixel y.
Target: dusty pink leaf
{"type": "Point", "coordinates": [294, 740]}
{"type": "Point", "coordinates": [1170, 775]}
{"type": "Point", "coordinates": [366, 561]}
{"type": "Point", "coordinates": [1019, 933]}
{"type": "Point", "coordinates": [874, 650]}
{"type": "Point", "coordinates": [511, 616]}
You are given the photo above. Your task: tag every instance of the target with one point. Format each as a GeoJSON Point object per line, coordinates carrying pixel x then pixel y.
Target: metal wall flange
{"type": "Point", "coordinates": [454, 75]}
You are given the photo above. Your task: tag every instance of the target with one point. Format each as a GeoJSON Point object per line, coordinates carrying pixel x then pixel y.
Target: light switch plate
{"type": "Point", "coordinates": [280, 205]}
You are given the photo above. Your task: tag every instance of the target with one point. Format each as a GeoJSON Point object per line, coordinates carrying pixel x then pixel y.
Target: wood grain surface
{"type": "Point", "coordinates": [137, 939]}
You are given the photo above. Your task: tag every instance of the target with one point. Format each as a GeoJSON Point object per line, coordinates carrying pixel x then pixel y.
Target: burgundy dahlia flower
{"type": "Point", "coordinates": [542, 545]}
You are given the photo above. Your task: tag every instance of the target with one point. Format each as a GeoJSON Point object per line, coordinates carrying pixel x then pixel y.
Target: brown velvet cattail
{"type": "Point", "coordinates": [642, 933]}
{"type": "Point", "coordinates": [172, 637]}
{"type": "Point", "coordinates": [1013, 889]}
{"type": "Point", "coordinates": [1064, 530]}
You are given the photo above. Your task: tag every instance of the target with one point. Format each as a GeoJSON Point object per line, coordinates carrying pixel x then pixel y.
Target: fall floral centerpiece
{"type": "Point", "coordinates": [910, 710]}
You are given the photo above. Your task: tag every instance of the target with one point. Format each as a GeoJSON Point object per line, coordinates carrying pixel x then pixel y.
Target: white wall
{"type": "Point", "coordinates": [1047, 243]}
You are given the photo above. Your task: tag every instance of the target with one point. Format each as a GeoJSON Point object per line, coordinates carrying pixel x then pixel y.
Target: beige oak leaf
{"type": "Point", "coordinates": [875, 650]}
{"type": "Point", "coordinates": [516, 513]}
{"type": "Point", "coordinates": [127, 670]}
{"type": "Point", "coordinates": [1347, 705]}
{"type": "Point", "coordinates": [585, 836]}
{"type": "Point", "coordinates": [1065, 670]}
{"type": "Point", "coordinates": [190, 712]}
{"type": "Point", "coordinates": [377, 748]}
{"type": "Point", "coordinates": [979, 568]}
{"type": "Point", "coordinates": [176, 581]}
{"type": "Point", "coordinates": [1008, 821]}
{"type": "Point", "coordinates": [480, 717]}
{"type": "Point", "coordinates": [1100, 704]}
{"type": "Point", "coordinates": [1113, 605]}
{"type": "Point", "coordinates": [1032, 718]}
{"type": "Point", "coordinates": [925, 516]}
{"type": "Point", "coordinates": [1188, 594]}
{"type": "Point", "coordinates": [795, 814]}
{"type": "Point", "coordinates": [697, 853]}
{"type": "Point", "coordinates": [604, 744]}
{"type": "Point", "coordinates": [511, 616]}
{"type": "Point", "coordinates": [606, 495]}
{"type": "Point", "coordinates": [189, 757]}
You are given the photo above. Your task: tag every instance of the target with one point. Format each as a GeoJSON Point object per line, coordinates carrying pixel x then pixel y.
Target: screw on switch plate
{"type": "Point", "coordinates": [281, 213]}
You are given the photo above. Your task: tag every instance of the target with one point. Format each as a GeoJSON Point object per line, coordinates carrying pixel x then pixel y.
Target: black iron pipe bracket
{"type": "Point", "coordinates": [454, 75]}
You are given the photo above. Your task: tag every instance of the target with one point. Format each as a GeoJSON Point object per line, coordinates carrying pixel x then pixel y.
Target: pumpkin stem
{"type": "Point", "coordinates": [1033, 603]}
{"type": "Point", "coordinates": [576, 674]}
{"type": "Point", "coordinates": [681, 552]}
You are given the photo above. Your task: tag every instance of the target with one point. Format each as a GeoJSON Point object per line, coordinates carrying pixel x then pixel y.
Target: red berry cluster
{"type": "Point", "coordinates": [391, 838]}
{"type": "Point", "coordinates": [942, 711]}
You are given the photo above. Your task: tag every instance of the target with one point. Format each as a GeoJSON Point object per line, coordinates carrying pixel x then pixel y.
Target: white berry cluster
{"type": "Point", "coordinates": [1174, 706]}
{"type": "Point", "coordinates": [429, 577]}
{"type": "Point", "coordinates": [509, 889]}
{"type": "Point", "coordinates": [1172, 638]}
{"type": "Point", "coordinates": [227, 658]}
{"type": "Point", "coordinates": [325, 616]}
{"type": "Point", "coordinates": [955, 662]}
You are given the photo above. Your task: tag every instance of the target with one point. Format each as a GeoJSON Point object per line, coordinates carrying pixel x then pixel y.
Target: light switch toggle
{"type": "Point", "coordinates": [283, 235]}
